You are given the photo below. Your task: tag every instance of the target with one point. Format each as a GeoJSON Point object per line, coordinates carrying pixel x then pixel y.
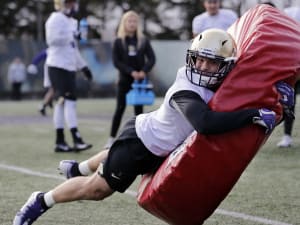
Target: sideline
{"type": "Point", "coordinates": [133, 194]}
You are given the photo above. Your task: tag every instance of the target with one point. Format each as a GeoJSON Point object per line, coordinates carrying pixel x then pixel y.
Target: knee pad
{"type": "Point", "coordinates": [70, 96]}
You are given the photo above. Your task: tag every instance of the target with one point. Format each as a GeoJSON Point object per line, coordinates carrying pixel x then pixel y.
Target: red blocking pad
{"type": "Point", "coordinates": [195, 178]}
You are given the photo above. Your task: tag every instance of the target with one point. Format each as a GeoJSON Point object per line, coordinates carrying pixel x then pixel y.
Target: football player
{"type": "Point", "coordinates": [63, 58]}
{"type": "Point", "coordinates": [146, 140]}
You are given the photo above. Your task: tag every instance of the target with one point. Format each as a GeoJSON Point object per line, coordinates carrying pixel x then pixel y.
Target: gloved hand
{"type": "Point", "coordinates": [77, 35]}
{"type": "Point", "coordinates": [266, 119]}
{"type": "Point", "coordinates": [287, 98]}
{"type": "Point", "coordinates": [87, 73]}
{"type": "Point", "coordinates": [32, 69]}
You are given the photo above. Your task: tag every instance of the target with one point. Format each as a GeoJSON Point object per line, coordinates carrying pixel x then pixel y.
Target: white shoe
{"type": "Point", "coordinates": [109, 143]}
{"type": "Point", "coordinates": [65, 168]}
{"type": "Point", "coordinates": [285, 142]}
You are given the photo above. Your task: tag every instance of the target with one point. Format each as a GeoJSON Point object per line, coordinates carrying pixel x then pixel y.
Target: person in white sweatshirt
{"type": "Point", "coordinates": [63, 59]}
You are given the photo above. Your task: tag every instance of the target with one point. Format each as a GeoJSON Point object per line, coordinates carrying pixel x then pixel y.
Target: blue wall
{"type": "Point", "coordinates": [98, 55]}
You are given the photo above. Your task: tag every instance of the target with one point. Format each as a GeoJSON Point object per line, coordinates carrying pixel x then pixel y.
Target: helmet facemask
{"type": "Point", "coordinates": [212, 46]}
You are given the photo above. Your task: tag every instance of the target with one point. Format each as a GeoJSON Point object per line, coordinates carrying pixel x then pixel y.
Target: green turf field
{"type": "Point", "coordinates": [267, 192]}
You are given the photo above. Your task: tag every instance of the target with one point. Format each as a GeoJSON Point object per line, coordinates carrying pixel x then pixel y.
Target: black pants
{"type": "Point", "coordinates": [128, 157]}
{"type": "Point", "coordinates": [16, 91]}
{"type": "Point", "coordinates": [120, 108]}
{"type": "Point", "coordinates": [289, 122]}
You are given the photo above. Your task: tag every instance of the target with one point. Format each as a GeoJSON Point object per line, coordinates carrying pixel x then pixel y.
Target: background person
{"type": "Point", "coordinates": [134, 57]}
{"type": "Point", "coordinates": [16, 75]}
{"type": "Point", "coordinates": [49, 95]}
{"type": "Point", "coordinates": [287, 140]}
{"type": "Point", "coordinates": [62, 61]}
{"type": "Point", "coordinates": [213, 17]}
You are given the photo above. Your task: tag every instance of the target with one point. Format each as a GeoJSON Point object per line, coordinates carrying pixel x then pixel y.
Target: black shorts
{"type": "Point", "coordinates": [127, 158]}
{"type": "Point", "coordinates": [63, 82]}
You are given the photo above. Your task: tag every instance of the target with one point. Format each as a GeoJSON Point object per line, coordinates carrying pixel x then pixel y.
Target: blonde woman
{"type": "Point", "coordinates": [133, 56]}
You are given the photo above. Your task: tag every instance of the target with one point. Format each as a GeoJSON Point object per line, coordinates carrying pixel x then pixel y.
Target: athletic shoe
{"type": "Point", "coordinates": [81, 146]}
{"type": "Point", "coordinates": [285, 142]}
{"type": "Point", "coordinates": [63, 147]}
{"type": "Point", "coordinates": [30, 211]}
{"type": "Point", "coordinates": [65, 168]}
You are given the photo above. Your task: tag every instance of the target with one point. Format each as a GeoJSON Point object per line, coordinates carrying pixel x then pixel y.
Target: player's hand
{"type": "Point", "coordinates": [87, 73]}
{"type": "Point", "coordinates": [141, 75]}
{"type": "Point", "coordinates": [135, 75]}
{"type": "Point", "coordinates": [287, 98]}
{"type": "Point", "coordinates": [266, 119]}
{"type": "Point", "coordinates": [77, 35]}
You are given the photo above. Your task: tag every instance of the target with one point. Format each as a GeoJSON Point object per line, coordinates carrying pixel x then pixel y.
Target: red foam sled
{"type": "Point", "coordinates": [196, 178]}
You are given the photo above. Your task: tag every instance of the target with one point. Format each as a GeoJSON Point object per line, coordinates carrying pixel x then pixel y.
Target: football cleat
{"type": "Point", "coordinates": [286, 142]}
{"type": "Point", "coordinates": [30, 211]}
{"type": "Point", "coordinates": [65, 168]}
{"type": "Point", "coordinates": [62, 147]}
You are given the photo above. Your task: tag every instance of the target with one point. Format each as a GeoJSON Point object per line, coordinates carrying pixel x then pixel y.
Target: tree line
{"type": "Point", "coordinates": [162, 19]}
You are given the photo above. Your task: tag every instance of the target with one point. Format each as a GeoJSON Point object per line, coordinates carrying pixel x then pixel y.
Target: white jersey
{"type": "Point", "coordinates": [62, 49]}
{"type": "Point", "coordinates": [222, 20]}
{"type": "Point", "coordinates": [163, 130]}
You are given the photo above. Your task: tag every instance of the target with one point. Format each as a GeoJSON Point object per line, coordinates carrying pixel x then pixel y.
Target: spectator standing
{"type": "Point", "coordinates": [16, 76]}
{"type": "Point", "coordinates": [287, 141]}
{"type": "Point", "coordinates": [213, 17]}
{"type": "Point", "coordinates": [134, 57]}
{"type": "Point", "coordinates": [63, 58]}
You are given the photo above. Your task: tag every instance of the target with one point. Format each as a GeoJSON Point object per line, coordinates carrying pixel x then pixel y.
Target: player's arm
{"type": "Point", "coordinates": [206, 121]}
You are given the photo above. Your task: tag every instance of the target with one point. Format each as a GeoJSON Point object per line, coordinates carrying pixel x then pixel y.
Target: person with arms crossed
{"type": "Point", "coordinates": [134, 57]}
{"type": "Point", "coordinates": [213, 17]}
{"type": "Point", "coordinates": [147, 139]}
{"type": "Point", "coordinates": [63, 58]}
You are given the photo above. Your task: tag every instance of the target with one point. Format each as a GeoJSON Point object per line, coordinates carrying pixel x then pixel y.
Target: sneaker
{"type": "Point", "coordinates": [81, 146]}
{"type": "Point", "coordinates": [63, 147]}
{"type": "Point", "coordinates": [50, 104]}
{"type": "Point", "coordinates": [30, 211]}
{"type": "Point", "coordinates": [109, 143]}
{"type": "Point", "coordinates": [65, 168]}
{"type": "Point", "coordinates": [285, 142]}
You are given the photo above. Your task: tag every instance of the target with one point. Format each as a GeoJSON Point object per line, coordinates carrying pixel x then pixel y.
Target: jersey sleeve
{"type": "Point", "coordinates": [206, 121]}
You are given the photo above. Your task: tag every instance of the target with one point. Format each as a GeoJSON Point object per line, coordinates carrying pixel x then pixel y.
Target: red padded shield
{"type": "Point", "coordinates": [194, 179]}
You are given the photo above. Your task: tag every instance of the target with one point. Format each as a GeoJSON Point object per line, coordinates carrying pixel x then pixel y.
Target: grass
{"type": "Point", "coordinates": [268, 189]}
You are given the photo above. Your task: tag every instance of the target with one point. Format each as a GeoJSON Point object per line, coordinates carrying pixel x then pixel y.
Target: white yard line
{"type": "Point", "coordinates": [133, 194]}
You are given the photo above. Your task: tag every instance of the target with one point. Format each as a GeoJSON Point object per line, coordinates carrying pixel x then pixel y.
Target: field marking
{"type": "Point", "coordinates": [134, 194]}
